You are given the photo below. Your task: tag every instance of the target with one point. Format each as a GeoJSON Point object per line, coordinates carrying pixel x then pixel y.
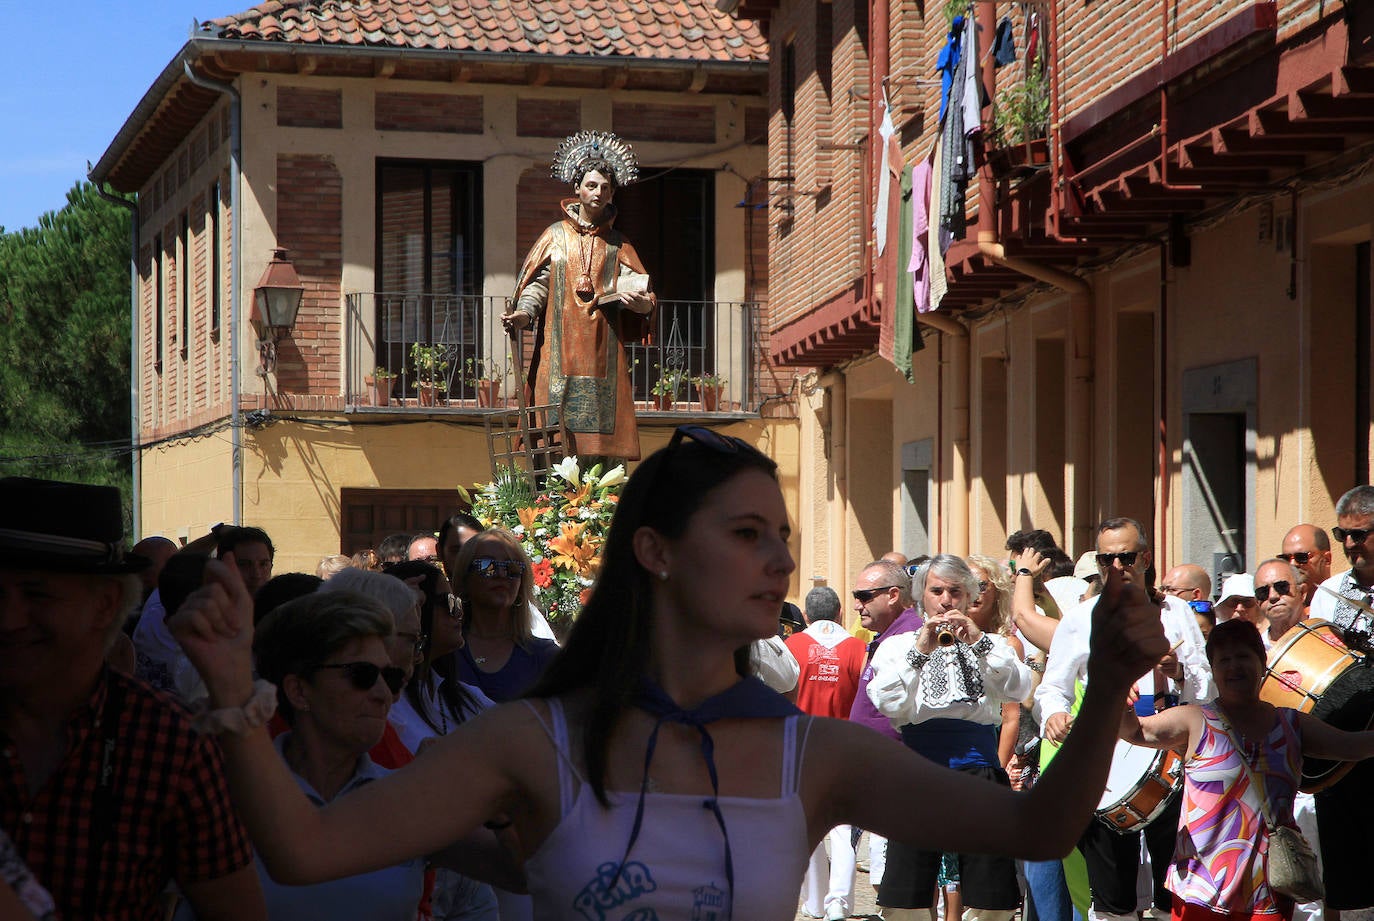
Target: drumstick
{"type": "Point", "coordinates": [1353, 602]}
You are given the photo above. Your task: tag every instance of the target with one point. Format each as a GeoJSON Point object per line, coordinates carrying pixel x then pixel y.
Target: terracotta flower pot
{"type": "Point", "coordinates": [663, 402]}
{"type": "Point", "coordinates": [427, 394]}
{"type": "Point", "coordinates": [710, 398]}
{"type": "Point", "coordinates": [488, 393]}
{"type": "Point", "coordinates": [378, 390]}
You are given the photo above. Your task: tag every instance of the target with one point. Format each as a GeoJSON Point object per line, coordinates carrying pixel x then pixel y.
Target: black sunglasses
{"type": "Point", "coordinates": [489, 568]}
{"type": "Point", "coordinates": [1353, 534]}
{"type": "Point", "coordinates": [1301, 557]}
{"type": "Point", "coordinates": [1127, 558]}
{"type": "Point", "coordinates": [364, 675]}
{"type": "Point", "coordinates": [1281, 587]}
{"type": "Point", "coordinates": [865, 595]}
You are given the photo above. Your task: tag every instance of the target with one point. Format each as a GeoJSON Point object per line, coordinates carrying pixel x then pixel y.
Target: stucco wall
{"type": "Point", "coordinates": [194, 487]}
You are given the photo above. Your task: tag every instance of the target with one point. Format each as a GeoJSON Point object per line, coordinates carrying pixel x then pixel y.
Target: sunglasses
{"type": "Point", "coordinates": [417, 640]}
{"type": "Point", "coordinates": [1281, 587]}
{"type": "Point", "coordinates": [1301, 557]}
{"type": "Point", "coordinates": [364, 675]}
{"type": "Point", "coordinates": [983, 585]}
{"type": "Point", "coordinates": [709, 438]}
{"type": "Point", "coordinates": [865, 595]}
{"type": "Point", "coordinates": [1357, 535]}
{"type": "Point", "coordinates": [1127, 558]}
{"type": "Point", "coordinates": [488, 568]}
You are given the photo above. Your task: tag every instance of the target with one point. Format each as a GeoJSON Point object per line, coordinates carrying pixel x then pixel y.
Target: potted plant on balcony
{"type": "Point", "coordinates": [668, 386]}
{"type": "Point", "coordinates": [379, 386]}
{"type": "Point", "coordinates": [430, 363]}
{"type": "Point", "coordinates": [709, 388]}
{"type": "Point", "coordinates": [1020, 124]}
{"type": "Point", "coordinates": [485, 376]}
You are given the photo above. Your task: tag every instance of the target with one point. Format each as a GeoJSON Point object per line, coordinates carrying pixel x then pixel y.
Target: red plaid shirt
{"type": "Point", "coordinates": [172, 819]}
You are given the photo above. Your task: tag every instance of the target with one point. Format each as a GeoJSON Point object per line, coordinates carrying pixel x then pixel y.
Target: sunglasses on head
{"type": "Point", "coordinates": [363, 675]}
{"type": "Point", "coordinates": [1281, 587]}
{"type": "Point", "coordinates": [709, 438]}
{"type": "Point", "coordinates": [865, 595]}
{"type": "Point", "coordinates": [488, 568]}
{"type": "Point", "coordinates": [1357, 535]}
{"type": "Point", "coordinates": [1300, 557]}
{"type": "Point", "coordinates": [1127, 558]}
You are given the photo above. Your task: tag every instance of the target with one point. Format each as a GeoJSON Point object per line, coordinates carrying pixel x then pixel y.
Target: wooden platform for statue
{"type": "Point", "coordinates": [523, 438]}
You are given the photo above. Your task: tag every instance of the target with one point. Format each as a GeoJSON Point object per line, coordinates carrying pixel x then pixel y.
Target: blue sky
{"type": "Point", "coordinates": [69, 83]}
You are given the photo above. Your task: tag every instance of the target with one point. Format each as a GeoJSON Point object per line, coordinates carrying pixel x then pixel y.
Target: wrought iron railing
{"type": "Point", "coordinates": [429, 351]}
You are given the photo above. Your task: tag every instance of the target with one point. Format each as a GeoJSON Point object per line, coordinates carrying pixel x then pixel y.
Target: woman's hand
{"type": "Point", "coordinates": [1031, 559]}
{"type": "Point", "coordinates": [214, 626]}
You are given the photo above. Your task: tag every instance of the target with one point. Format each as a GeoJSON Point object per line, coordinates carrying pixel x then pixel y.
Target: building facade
{"type": "Point", "coordinates": [1161, 307]}
{"type": "Point", "coordinates": [399, 153]}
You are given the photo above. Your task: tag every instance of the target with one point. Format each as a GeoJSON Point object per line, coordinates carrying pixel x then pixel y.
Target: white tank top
{"type": "Point", "coordinates": [676, 871]}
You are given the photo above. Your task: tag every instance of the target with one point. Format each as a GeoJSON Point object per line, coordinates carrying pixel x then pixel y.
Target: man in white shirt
{"type": "Point", "coordinates": [1345, 809]}
{"type": "Point", "coordinates": [1182, 676]}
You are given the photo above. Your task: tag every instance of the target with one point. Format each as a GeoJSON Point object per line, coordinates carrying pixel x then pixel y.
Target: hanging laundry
{"type": "Point", "coordinates": [918, 266]}
{"type": "Point", "coordinates": [892, 161]}
{"type": "Point", "coordinates": [958, 165]}
{"type": "Point", "coordinates": [935, 242]}
{"type": "Point", "coordinates": [903, 311]}
{"type": "Point", "coordinates": [948, 62]}
{"type": "Point", "coordinates": [974, 95]}
{"type": "Point", "coordinates": [1032, 37]}
{"type": "Point", "coordinates": [1004, 44]}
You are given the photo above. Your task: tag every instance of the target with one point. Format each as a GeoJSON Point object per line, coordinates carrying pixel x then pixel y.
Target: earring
{"type": "Point", "coordinates": [663, 575]}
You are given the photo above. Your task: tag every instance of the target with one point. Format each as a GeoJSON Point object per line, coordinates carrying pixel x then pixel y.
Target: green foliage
{"type": "Point", "coordinates": [1021, 112]}
{"type": "Point", "coordinates": [64, 343]}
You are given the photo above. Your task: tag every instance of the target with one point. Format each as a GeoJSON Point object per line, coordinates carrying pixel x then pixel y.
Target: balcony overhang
{"type": "Point", "coordinates": [1243, 115]}
{"type": "Point", "coordinates": [841, 328]}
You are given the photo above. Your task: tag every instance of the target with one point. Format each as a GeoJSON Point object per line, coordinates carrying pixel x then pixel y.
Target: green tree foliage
{"type": "Point", "coordinates": [64, 343]}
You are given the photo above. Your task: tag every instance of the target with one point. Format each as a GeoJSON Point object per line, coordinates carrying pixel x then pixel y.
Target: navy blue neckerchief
{"type": "Point", "coordinates": [748, 698]}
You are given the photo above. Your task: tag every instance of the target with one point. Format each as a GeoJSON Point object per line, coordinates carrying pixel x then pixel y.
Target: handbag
{"type": "Point", "coordinates": [1291, 867]}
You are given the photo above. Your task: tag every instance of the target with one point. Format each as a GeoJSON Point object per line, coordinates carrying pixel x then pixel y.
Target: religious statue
{"type": "Point", "coordinates": [584, 279]}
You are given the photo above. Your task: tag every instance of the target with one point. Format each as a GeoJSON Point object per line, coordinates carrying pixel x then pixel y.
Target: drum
{"type": "Point", "coordinates": [1139, 787]}
{"type": "Point", "coordinates": [1312, 670]}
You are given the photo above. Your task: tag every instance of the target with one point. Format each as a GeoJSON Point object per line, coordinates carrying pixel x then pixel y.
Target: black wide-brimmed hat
{"type": "Point", "coordinates": [63, 527]}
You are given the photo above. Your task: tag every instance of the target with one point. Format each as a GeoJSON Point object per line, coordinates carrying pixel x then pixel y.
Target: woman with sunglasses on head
{"type": "Point", "coordinates": [647, 776]}
{"type": "Point", "coordinates": [500, 656]}
{"type": "Point", "coordinates": [945, 687]}
{"type": "Point", "coordinates": [328, 657]}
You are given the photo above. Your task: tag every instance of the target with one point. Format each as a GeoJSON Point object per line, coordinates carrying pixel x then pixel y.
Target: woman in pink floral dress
{"type": "Point", "coordinates": [1218, 870]}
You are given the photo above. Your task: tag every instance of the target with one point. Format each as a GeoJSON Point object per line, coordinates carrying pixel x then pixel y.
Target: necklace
{"type": "Point", "coordinates": [586, 244]}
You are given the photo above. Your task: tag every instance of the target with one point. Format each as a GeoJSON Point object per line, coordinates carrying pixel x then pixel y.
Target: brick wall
{"type": "Point", "coordinates": [301, 107]}
{"type": "Point", "coordinates": [310, 227]}
{"type": "Point", "coordinates": [440, 112]}
{"type": "Point", "coordinates": [815, 236]}
{"type": "Point", "coordinates": [547, 118]}
{"type": "Point", "coordinates": [640, 121]}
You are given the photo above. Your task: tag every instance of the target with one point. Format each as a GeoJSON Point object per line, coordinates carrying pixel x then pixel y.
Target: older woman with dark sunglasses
{"type": "Point", "coordinates": [500, 657]}
{"type": "Point", "coordinates": [328, 657]}
{"type": "Point", "coordinates": [648, 774]}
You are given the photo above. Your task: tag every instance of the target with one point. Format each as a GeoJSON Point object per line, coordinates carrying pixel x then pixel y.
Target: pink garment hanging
{"type": "Point", "coordinates": [919, 264]}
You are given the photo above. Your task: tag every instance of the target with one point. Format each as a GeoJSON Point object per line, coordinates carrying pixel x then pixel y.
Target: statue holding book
{"type": "Point", "coordinates": [583, 280]}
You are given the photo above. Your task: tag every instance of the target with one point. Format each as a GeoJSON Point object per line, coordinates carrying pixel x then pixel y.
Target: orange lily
{"type": "Point", "coordinates": [571, 552]}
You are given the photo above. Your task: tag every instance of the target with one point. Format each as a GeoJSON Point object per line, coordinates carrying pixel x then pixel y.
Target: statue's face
{"type": "Point", "coordinates": [595, 192]}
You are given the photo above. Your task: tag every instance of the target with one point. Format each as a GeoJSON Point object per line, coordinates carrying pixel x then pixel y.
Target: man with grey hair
{"type": "Point", "coordinates": [1278, 589]}
{"type": "Point", "coordinates": [831, 661]}
{"type": "Point", "coordinates": [1345, 810]}
{"type": "Point", "coordinates": [1182, 676]}
{"type": "Point", "coordinates": [107, 790]}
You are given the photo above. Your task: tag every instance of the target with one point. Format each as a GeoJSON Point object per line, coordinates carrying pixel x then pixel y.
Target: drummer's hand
{"type": "Point", "coordinates": [1056, 727]}
{"type": "Point", "coordinates": [515, 320]}
{"type": "Point", "coordinates": [1127, 636]}
{"type": "Point", "coordinates": [214, 626]}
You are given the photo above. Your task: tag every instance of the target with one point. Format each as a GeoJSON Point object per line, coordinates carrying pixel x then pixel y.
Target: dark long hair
{"type": "Point", "coordinates": [609, 647]}
{"type": "Point", "coordinates": [453, 696]}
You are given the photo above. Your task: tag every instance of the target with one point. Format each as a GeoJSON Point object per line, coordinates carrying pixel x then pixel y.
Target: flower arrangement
{"type": "Point", "coordinates": [562, 528]}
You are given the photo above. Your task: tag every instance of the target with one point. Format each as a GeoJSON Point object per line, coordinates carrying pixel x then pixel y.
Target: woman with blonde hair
{"type": "Point", "coordinates": [494, 579]}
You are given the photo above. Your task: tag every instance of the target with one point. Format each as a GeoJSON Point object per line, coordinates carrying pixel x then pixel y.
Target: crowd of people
{"type": "Point", "coordinates": [398, 735]}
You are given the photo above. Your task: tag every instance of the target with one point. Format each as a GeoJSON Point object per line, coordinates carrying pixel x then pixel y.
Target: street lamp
{"type": "Point", "coordinates": [275, 302]}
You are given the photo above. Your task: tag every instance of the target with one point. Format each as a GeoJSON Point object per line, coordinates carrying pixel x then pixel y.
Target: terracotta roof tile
{"type": "Point", "coordinates": [679, 29]}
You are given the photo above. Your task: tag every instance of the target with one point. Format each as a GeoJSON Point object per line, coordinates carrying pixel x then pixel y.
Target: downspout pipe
{"type": "Point", "coordinates": [235, 272]}
{"type": "Point", "coordinates": [135, 455]}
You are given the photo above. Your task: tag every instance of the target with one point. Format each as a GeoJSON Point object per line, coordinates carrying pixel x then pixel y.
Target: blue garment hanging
{"type": "Point", "coordinates": [948, 62]}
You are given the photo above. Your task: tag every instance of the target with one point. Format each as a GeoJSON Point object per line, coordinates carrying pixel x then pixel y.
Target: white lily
{"type": "Point", "coordinates": [613, 476]}
{"type": "Point", "coordinates": [567, 468]}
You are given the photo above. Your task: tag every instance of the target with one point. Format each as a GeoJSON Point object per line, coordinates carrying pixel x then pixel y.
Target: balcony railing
{"type": "Point", "coordinates": [448, 352]}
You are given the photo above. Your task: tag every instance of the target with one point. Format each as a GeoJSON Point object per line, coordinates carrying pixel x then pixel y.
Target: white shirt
{"type": "Point", "coordinates": [774, 664]}
{"type": "Point", "coordinates": [1068, 659]}
{"type": "Point", "coordinates": [901, 689]}
{"type": "Point", "coordinates": [411, 727]}
{"type": "Point", "coordinates": [1327, 606]}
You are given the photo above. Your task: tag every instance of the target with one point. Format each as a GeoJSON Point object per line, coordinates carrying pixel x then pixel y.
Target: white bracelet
{"type": "Point", "coordinates": [237, 720]}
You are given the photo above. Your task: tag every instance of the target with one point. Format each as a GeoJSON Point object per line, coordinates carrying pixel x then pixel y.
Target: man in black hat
{"type": "Point", "coordinates": [105, 788]}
